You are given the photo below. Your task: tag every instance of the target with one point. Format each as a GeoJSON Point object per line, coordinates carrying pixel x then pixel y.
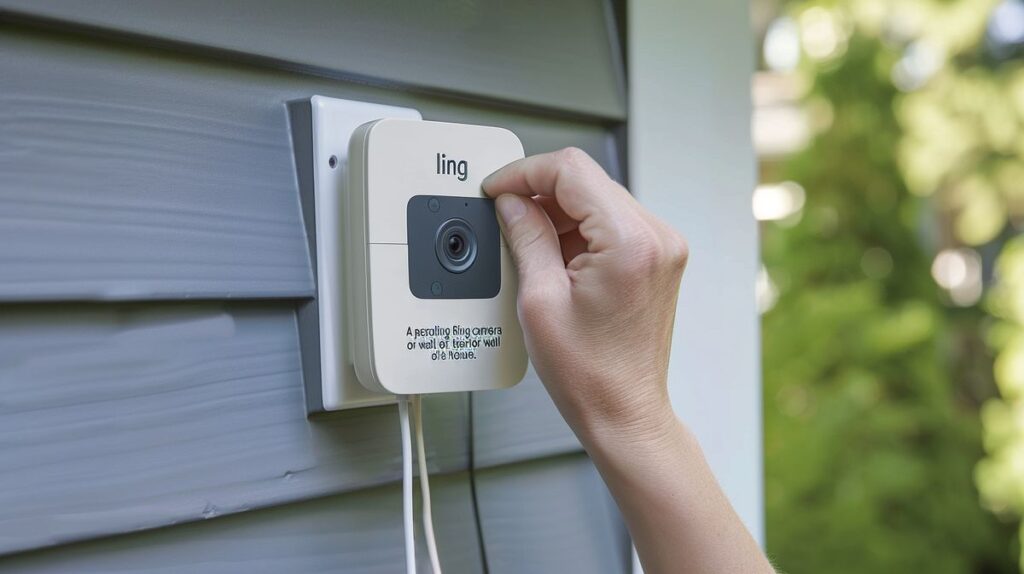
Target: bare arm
{"type": "Point", "coordinates": [598, 282]}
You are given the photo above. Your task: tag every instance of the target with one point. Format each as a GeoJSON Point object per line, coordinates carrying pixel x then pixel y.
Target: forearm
{"type": "Point", "coordinates": [678, 516]}
{"type": "Point", "coordinates": [598, 284]}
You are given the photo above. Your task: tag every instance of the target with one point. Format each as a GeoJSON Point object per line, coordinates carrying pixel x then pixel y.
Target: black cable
{"type": "Point", "coordinates": [472, 489]}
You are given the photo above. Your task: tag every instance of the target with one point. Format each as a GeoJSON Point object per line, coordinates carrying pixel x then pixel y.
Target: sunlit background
{"type": "Point", "coordinates": [891, 142]}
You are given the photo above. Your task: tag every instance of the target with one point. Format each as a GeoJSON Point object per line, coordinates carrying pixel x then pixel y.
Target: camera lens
{"type": "Point", "coordinates": [456, 245]}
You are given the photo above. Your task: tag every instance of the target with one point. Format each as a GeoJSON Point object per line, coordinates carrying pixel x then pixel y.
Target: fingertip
{"type": "Point", "coordinates": [531, 238]}
{"type": "Point", "coordinates": [487, 185]}
{"type": "Point", "coordinates": [491, 184]}
{"type": "Point", "coordinates": [510, 208]}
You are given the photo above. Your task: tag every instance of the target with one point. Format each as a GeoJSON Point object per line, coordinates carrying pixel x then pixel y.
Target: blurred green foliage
{"type": "Point", "coordinates": [1001, 475]}
{"type": "Point", "coordinates": [873, 378]}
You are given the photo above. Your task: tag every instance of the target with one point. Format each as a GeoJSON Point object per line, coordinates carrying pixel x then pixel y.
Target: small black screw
{"type": "Point", "coordinates": [333, 162]}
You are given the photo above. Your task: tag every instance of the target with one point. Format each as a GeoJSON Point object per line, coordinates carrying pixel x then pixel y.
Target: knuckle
{"type": "Point", "coordinates": [654, 251]}
{"type": "Point", "coordinates": [575, 160]}
{"type": "Point", "coordinates": [527, 237]}
{"type": "Point", "coordinates": [677, 250]}
{"type": "Point", "coordinates": [573, 154]}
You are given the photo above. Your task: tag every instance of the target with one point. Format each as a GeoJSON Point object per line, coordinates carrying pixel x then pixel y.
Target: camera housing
{"type": "Point", "coordinates": [431, 285]}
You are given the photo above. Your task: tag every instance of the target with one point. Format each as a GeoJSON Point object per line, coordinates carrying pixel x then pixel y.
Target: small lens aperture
{"type": "Point", "coordinates": [456, 245]}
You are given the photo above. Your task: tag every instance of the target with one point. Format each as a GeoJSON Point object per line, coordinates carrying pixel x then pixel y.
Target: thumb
{"type": "Point", "coordinates": [532, 240]}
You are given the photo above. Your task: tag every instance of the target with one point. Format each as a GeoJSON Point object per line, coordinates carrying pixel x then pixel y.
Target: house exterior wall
{"type": "Point", "coordinates": [153, 258]}
{"type": "Point", "coordinates": [692, 161]}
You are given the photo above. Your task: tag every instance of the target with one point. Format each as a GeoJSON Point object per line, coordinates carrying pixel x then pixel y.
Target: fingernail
{"type": "Point", "coordinates": [487, 182]}
{"type": "Point", "coordinates": [510, 208]}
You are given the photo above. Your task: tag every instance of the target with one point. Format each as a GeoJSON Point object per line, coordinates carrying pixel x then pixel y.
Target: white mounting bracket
{"type": "Point", "coordinates": [321, 128]}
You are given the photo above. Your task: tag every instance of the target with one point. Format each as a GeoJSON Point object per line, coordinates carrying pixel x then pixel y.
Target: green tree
{"type": "Point", "coordinates": [872, 377]}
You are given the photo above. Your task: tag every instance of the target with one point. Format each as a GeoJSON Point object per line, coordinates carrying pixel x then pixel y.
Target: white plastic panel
{"type": "Point", "coordinates": [414, 372]}
{"type": "Point", "coordinates": [334, 120]}
{"type": "Point", "coordinates": [691, 161]}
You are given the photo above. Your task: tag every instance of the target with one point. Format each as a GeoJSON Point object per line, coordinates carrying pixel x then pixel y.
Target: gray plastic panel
{"type": "Point", "coordinates": [115, 418]}
{"type": "Point", "coordinates": [143, 174]}
{"type": "Point", "coordinates": [560, 55]}
{"type": "Point", "coordinates": [551, 515]}
{"type": "Point", "coordinates": [354, 533]}
{"type": "Point", "coordinates": [430, 263]}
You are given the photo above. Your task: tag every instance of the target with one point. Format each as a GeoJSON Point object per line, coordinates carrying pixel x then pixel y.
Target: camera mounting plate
{"type": "Point", "coordinates": [321, 128]}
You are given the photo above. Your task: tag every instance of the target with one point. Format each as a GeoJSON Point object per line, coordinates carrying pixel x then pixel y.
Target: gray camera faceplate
{"type": "Point", "coordinates": [428, 278]}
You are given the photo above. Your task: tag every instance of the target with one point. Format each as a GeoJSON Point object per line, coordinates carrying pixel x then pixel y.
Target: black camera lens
{"type": "Point", "coordinates": [456, 245]}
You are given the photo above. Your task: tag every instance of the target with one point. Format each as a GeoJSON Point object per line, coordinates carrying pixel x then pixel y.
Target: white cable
{"type": "Point", "coordinates": [410, 541]}
{"type": "Point", "coordinates": [421, 457]}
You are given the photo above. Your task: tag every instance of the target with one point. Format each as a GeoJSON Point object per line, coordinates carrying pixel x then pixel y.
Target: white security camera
{"type": "Point", "coordinates": [431, 285]}
{"type": "Point", "coordinates": [409, 266]}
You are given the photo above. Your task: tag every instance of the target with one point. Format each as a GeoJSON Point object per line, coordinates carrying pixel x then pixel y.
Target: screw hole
{"type": "Point", "coordinates": [333, 162]}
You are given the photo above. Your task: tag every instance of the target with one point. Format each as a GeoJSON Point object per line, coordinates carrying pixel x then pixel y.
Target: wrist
{"type": "Point", "coordinates": [640, 425]}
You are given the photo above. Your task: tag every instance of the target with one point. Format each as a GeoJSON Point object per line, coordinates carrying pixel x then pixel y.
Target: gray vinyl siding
{"type": "Point", "coordinates": [566, 522]}
{"type": "Point", "coordinates": [350, 533]}
{"type": "Point", "coordinates": [129, 416]}
{"type": "Point", "coordinates": [518, 424]}
{"type": "Point", "coordinates": [549, 515]}
{"type": "Point", "coordinates": [153, 257]}
{"type": "Point", "coordinates": [140, 174]}
{"type": "Point", "coordinates": [560, 55]}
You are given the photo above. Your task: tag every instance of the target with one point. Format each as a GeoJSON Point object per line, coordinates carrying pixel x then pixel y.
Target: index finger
{"type": "Point", "coordinates": [580, 186]}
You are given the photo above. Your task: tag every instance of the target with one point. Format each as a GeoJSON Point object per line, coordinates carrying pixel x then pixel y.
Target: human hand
{"type": "Point", "coordinates": [598, 281]}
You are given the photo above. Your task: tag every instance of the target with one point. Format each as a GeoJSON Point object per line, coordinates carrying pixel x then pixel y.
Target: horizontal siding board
{"type": "Point", "coordinates": [553, 54]}
{"type": "Point", "coordinates": [140, 174]}
{"type": "Point", "coordinates": [357, 533]}
{"type": "Point", "coordinates": [121, 182]}
{"type": "Point", "coordinates": [551, 515]}
{"type": "Point", "coordinates": [120, 417]}
{"type": "Point", "coordinates": [517, 424]}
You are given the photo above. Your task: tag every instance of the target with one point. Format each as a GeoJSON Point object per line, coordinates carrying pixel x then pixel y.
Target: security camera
{"type": "Point", "coordinates": [431, 284]}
